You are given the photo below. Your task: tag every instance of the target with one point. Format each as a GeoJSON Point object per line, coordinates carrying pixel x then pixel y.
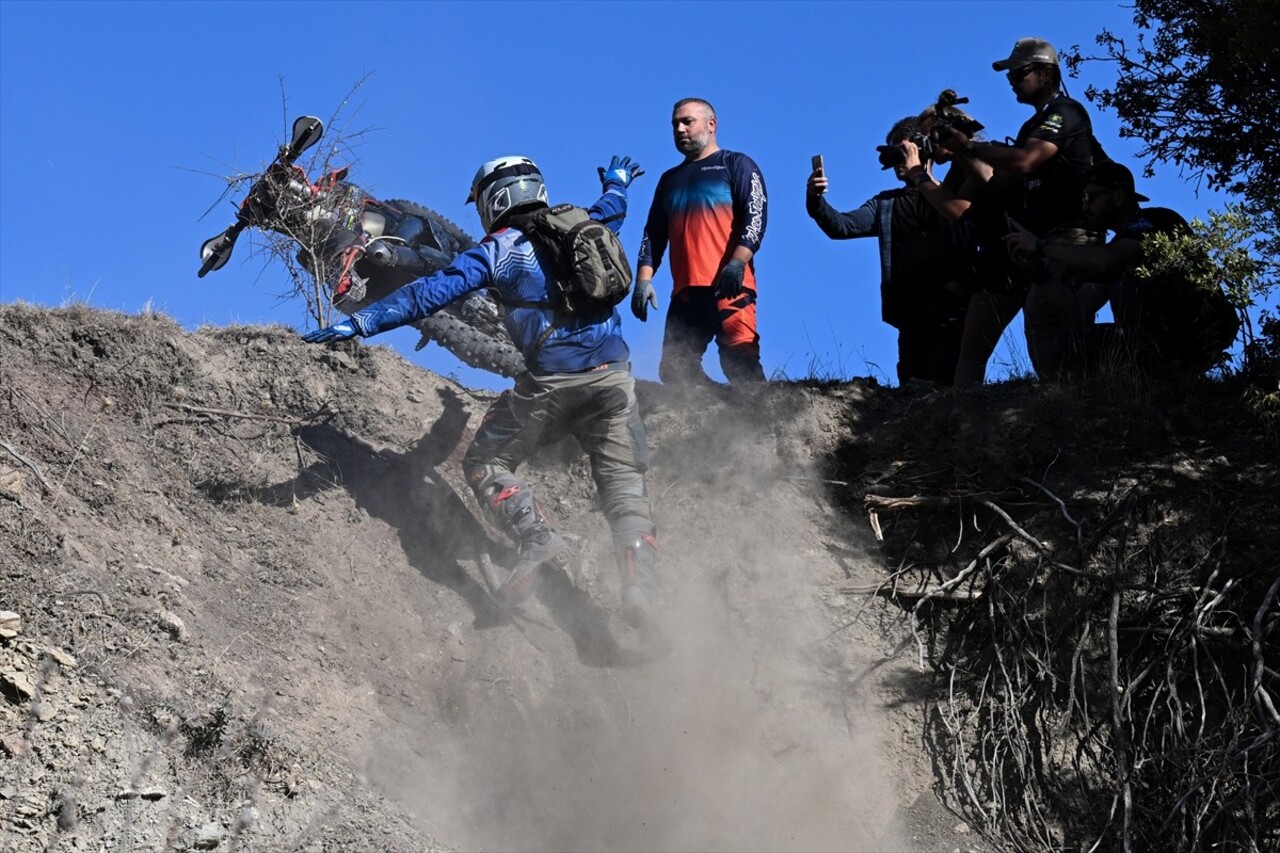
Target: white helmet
{"type": "Point", "coordinates": [503, 185]}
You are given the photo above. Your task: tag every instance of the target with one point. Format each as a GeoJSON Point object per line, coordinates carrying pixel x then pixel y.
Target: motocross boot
{"type": "Point", "coordinates": [637, 555]}
{"type": "Point", "coordinates": [510, 503]}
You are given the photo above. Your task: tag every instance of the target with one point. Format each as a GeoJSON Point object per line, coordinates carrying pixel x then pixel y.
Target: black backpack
{"type": "Point", "coordinates": [590, 265]}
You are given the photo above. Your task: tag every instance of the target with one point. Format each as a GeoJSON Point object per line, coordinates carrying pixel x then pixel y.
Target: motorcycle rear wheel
{"type": "Point", "coordinates": [471, 346]}
{"type": "Point", "coordinates": [488, 346]}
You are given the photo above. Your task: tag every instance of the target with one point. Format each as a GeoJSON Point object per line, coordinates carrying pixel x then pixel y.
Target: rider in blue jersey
{"type": "Point", "coordinates": [579, 382]}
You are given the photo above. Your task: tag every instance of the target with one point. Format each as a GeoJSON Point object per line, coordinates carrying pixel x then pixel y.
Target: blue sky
{"type": "Point", "coordinates": [119, 120]}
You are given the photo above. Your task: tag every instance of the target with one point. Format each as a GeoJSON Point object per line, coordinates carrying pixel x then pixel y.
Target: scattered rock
{"type": "Point", "coordinates": [16, 686]}
{"type": "Point", "coordinates": [10, 624]}
{"type": "Point", "coordinates": [172, 623]}
{"type": "Point", "coordinates": [178, 580]}
{"type": "Point", "coordinates": [15, 745]}
{"type": "Point", "coordinates": [63, 659]}
{"type": "Point", "coordinates": [209, 836]}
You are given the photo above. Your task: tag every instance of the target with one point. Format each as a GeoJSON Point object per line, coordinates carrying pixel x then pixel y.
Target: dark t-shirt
{"type": "Point", "coordinates": [1052, 193]}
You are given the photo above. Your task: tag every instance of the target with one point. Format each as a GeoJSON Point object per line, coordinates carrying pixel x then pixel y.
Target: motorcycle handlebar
{"type": "Point", "coordinates": [216, 251]}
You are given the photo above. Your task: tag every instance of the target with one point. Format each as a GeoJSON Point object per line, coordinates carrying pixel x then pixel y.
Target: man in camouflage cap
{"type": "Point", "coordinates": [1041, 178]}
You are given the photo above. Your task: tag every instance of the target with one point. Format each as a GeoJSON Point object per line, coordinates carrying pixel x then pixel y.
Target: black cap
{"type": "Point", "coordinates": [1111, 175]}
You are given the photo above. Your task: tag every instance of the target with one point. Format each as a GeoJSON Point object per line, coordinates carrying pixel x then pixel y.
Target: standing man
{"type": "Point", "coordinates": [918, 293]}
{"type": "Point", "coordinates": [1042, 175]}
{"type": "Point", "coordinates": [712, 210]}
{"type": "Point", "coordinates": [579, 381]}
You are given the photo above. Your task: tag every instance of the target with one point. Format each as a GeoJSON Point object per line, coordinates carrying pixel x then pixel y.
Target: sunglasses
{"type": "Point", "coordinates": [1017, 75]}
{"type": "Point", "coordinates": [1090, 195]}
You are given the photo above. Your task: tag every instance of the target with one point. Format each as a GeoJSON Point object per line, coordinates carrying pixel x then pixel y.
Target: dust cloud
{"type": "Point", "coordinates": [748, 736]}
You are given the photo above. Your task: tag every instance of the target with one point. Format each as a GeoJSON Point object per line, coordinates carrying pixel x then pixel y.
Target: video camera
{"type": "Point", "coordinates": [895, 155]}
{"type": "Point", "coordinates": [943, 114]}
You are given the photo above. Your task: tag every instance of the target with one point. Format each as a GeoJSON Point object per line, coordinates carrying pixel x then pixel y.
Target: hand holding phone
{"type": "Point", "coordinates": [817, 184]}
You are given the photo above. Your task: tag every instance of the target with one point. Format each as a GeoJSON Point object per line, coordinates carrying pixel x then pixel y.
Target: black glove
{"type": "Point", "coordinates": [728, 283]}
{"type": "Point", "coordinates": [642, 298]}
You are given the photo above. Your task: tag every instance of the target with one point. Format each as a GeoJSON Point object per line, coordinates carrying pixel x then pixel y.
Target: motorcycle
{"type": "Point", "coordinates": [358, 249]}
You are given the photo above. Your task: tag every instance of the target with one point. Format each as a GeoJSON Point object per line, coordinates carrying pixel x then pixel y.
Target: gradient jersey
{"type": "Point", "coordinates": [508, 262]}
{"type": "Point", "coordinates": [703, 210]}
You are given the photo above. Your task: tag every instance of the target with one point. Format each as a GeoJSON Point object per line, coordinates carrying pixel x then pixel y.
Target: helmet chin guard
{"type": "Point", "coordinates": [503, 185]}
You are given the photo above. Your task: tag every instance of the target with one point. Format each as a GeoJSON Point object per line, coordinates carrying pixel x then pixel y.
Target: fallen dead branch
{"type": "Point", "coordinates": [232, 413]}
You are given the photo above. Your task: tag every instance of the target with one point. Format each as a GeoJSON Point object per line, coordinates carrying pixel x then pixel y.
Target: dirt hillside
{"type": "Point", "coordinates": [247, 608]}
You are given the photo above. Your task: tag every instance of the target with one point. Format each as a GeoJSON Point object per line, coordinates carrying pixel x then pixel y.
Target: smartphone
{"type": "Point", "coordinates": [817, 164]}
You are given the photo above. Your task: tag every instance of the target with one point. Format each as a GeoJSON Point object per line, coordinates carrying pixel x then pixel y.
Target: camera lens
{"type": "Point", "coordinates": [891, 155]}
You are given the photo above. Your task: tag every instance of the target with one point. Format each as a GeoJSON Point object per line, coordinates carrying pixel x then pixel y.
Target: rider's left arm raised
{"type": "Point", "coordinates": [611, 207]}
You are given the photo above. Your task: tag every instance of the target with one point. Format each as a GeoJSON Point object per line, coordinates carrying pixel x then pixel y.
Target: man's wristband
{"type": "Point", "coordinates": [1041, 242]}
{"type": "Point", "coordinates": [921, 178]}
{"type": "Point", "coordinates": [970, 149]}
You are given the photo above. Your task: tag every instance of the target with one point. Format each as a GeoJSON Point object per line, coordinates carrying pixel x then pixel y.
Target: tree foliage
{"type": "Point", "coordinates": [1226, 251]}
{"type": "Point", "coordinates": [1200, 90]}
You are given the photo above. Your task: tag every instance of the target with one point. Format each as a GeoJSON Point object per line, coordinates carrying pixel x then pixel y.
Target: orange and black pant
{"type": "Point", "coordinates": [696, 318]}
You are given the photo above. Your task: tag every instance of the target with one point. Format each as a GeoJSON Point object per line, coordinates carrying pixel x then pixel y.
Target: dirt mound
{"type": "Point", "coordinates": [260, 560]}
{"type": "Point", "coordinates": [250, 609]}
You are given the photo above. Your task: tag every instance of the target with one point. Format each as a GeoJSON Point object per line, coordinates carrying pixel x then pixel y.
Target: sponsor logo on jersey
{"type": "Point", "coordinates": [755, 206]}
{"type": "Point", "coordinates": [1052, 123]}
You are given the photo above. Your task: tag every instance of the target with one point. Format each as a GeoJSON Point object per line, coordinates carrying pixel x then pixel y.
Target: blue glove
{"type": "Point", "coordinates": [728, 283]}
{"type": "Point", "coordinates": [621, 170]}
{"type": "Point", "coordinates": [642, 297]}
{"type": "Point", "coordinates": [336, 332]}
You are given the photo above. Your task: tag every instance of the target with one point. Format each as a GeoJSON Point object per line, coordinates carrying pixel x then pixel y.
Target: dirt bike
{"type": "Point", "coordinates": [358, 249]}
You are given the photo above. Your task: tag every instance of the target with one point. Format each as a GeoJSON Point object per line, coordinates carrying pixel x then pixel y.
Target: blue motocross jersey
{"type": "Point", "coordinates": [508, 262]}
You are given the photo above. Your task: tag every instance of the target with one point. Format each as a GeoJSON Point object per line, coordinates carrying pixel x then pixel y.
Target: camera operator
{"type": "Point", "coordinates": [914, 298]}
{"type": "Point", "coordinates": [1051, 154]}
{"type": "Point", "coordinates": [979, 261]}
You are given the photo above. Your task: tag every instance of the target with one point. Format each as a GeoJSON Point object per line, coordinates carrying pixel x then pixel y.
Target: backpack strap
{"type": "Point", "coordinates": [526, 223]}
{"type": "Point", "coordinates": [551, 327]}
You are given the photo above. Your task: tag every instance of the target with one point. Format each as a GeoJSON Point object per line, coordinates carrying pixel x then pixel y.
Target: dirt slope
{"type": "Point", "coordinates": [252, 613]}
{"type": "Point", "coordinates": [258, 562]}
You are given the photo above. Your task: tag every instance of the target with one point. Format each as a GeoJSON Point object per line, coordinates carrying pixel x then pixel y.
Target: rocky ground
{"type": "Point", "coordinates": [244, 604]}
